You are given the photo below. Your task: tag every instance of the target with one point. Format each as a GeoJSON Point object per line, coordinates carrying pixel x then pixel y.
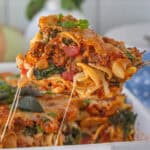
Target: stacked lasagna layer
{"type": "Point", "coordinates": [65, 50]}
{"type": "Point", "coordinates": [38, 118]}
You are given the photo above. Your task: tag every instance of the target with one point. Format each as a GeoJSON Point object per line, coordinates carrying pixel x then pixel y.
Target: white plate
{"type": "Point", "coordinates": [142, 125]}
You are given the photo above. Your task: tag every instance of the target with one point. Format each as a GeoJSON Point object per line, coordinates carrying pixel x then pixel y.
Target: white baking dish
{"type": "Point", "coordinates": [142, 126]}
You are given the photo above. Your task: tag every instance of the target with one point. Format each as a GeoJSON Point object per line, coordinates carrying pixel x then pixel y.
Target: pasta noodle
{"type": "Point", "coordinates": [10, 140]}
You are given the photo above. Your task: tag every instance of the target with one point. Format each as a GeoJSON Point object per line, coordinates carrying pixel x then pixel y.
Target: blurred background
{"type": "Point", "coordinates": [122, 19]}
{"type": "Point", "coordinates": [127, 20]}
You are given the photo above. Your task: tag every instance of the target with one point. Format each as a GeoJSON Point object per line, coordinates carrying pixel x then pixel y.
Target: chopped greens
{"type": "Point", "coordinates": [75, 132]}
{"type": "Point", "coordinates": [44, 73]}
{"type": "Point", "coordinates": [127, 53]}
{"type": "Point", "coordinates": [69, 140]}
{"type": "Point", "coordinates": [87, 101]}
{"type": "Point", "coordinates": [30, 131]}
{"type": "Point", "coordinates": [29, 103]}
{"type": "Point", "coordinates": [52, 114]}
{"type": "Point", "coordinates": [49, 92]}
{"type": "Point", "coordinates": [72, 136]}
{"type": "Point", "coordinates": [67, 41]}
{"type": "Point", "coordinates": [82, 24]}
{"type": "Point", "coordinates": [39, 129]}
{"type": "Point", "coordinates": [130, 56]}
{"type": "Point", "coordinates": [125, 119]}
{"type": "Point", "coordinates": [52, 34]}
{"type": "Point", "coordinates": [6, 92]}
{"type": "Point", "coordinates": [60, 16]}
{"type": "Point", "coordinates": [69, 24]}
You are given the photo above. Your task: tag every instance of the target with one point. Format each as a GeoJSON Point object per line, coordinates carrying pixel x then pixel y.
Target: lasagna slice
{"type": "Point", "coordinates": [39, 115]}
{"type": "Point", "coordinates": [66, 50]}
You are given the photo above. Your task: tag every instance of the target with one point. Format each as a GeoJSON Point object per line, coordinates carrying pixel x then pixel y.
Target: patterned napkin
{"type": "Point", "coordinates": [139, 85]}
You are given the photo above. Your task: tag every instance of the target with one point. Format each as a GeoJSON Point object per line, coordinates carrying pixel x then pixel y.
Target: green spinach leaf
{"type": "Point", "coordinates": [125, 119]}
{"type": "Point", "coordinates": [45, 73]}
{"type": "Point", "coordinates": [29, 103]}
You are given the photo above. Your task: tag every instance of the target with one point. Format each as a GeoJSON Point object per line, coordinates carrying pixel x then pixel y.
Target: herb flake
{"type": "Point", "coordinates": [52, 114]}
{"type": "Point", "coordinates": [39, 129]}
{"type": "Point", "coordinates": [130, 56]}
{"type": "Point", "coordinates": [82, 24]}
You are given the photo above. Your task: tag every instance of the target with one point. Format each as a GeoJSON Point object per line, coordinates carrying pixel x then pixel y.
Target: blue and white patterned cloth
{"type": "Point", "coordinates": [139, 85]}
